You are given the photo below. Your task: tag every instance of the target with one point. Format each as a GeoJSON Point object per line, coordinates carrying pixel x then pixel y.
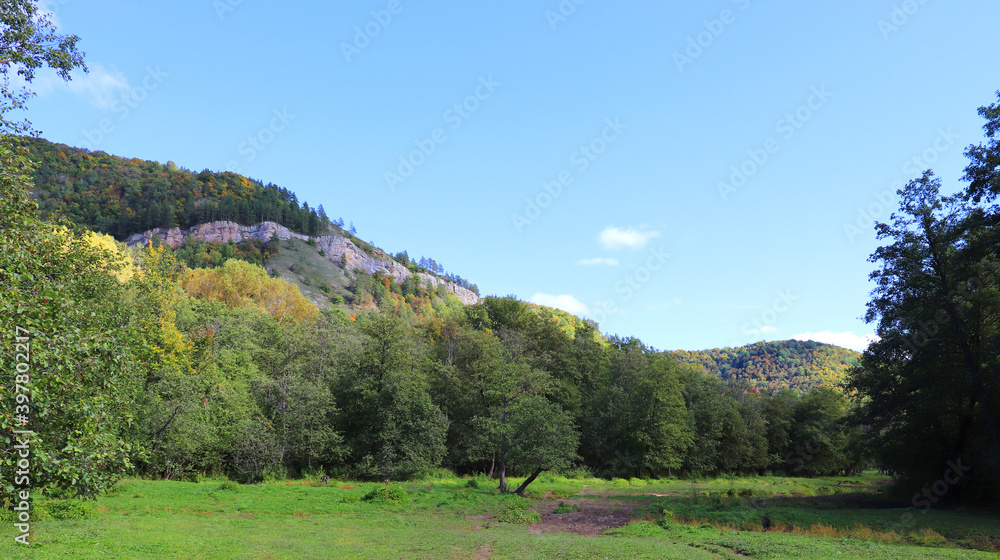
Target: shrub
{"type": "Point", "coordinates": [578, 473]}
{"type": "Point", "coordinates": [228, 486]}
{"type": "Point", "coordinates": [668, 520]}
{"type": "Point", "coordinates": [636, 482]}
{"type": "Point", "coordinates": [438, 474]}
{"type": "Point", "coordinates": [386, 494]}
{"type": "Point", "coordinates": [519, 514]}
{"type": "Point", "coordinates": [546, 477]}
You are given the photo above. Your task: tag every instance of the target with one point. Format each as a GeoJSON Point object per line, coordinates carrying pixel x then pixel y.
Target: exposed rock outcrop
{"type": "Point", "coordinates": [216, 232]}
{"type": "Point", "coordinates": [340, 250]}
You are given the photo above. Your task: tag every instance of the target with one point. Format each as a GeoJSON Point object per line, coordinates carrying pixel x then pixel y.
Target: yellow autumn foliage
{"type": "Point", "coordinates": [240, 284]}
{"type": "Point", "coordinates": [164, 348]}
{"type": "Point", "coordinates": [103, 251]}
{"type": "Point", "coordinates": [121, 264]}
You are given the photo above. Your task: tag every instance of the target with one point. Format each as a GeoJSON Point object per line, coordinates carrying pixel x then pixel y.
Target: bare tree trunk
{"type": "Point", "coordinates": [503, 474]}
{"type": "Point", "coordinates": [529, 480]}
{"type": "Point", "coordinates": [493, 464]}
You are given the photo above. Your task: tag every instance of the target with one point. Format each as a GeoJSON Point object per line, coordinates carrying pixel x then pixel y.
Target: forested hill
{"type": "Point", "coordinates": [121, 196]}
{"type": "Point", "coordinates": [777, 365]}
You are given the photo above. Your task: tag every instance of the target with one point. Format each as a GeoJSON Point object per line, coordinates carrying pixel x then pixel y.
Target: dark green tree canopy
{"type": "Point", "coordinates": [929, 389]}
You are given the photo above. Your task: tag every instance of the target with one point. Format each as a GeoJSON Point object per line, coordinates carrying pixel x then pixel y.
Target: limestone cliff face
{"type": "Point", "coordinates": [216, 232]}
{"type": "Point", "coordinates": [340, 250]}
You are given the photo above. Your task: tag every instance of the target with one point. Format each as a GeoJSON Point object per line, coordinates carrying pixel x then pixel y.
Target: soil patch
{"type": "Point", "coordinates": [595, 515]}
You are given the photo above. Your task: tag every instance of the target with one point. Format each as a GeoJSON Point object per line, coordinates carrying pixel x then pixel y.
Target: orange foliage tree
{"type": "Point", "coordinates": [241, 284]}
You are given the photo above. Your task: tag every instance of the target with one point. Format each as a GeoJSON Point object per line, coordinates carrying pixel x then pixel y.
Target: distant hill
{"type": "Point", "coordinates": [786, 364]}
{"type": "Point", "coordinates": [210, 217]}
{"type": "Point", "coordinates": [123, 196]}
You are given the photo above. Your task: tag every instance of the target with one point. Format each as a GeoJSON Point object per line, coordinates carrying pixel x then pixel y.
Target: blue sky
{"type": "Point", "coordinates": [694, 174]}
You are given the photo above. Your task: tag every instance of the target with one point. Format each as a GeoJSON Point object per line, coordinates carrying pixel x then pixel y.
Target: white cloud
{"type": "Point", "coordinates": [617, 238]}
{"type": "Point", "coordinates": [565, 302]}
{"type": "Point", "coordinates": [845, 339]}
{"type": "Point", "coordinates": [597, 261]}
{"type": "Point", "coordinates": [101, 86]}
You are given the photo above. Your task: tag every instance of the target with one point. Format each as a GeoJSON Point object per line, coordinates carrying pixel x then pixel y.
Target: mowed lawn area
{"type": "Point", "coordinates": [465, 518]}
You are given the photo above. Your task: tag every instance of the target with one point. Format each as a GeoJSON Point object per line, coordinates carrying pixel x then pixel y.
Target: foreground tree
{"type": "Point", "coordinates": [929, 389]}
{"type": "Point", "coordinates": [515, 426]}
{"type": "Point", "coordinates": [63, 306]}
{"type": "Point", "coordinates": [66, 321]}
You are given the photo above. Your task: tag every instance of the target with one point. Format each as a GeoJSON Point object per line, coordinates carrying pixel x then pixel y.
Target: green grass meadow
{"type": "Point", "coordinates": [464, 518]}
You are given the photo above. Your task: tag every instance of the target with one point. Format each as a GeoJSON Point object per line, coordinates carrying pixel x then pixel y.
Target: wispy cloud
{"type": "Point", "coordinates": [845, 339]}
{"type": "Point", "coordinates": [100, 86]}
{"type": "Point", "coordinates": [617, 238]}
{"type": "Point", "coordinates": [598, 261]}
{"type": "Point", "coordinates": [764, 329]}
{"type": "Point", "coordinates": [565, 302]}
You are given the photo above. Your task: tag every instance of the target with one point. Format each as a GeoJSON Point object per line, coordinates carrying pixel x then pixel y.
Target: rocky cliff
{"type": "Point", "coordinates": [340, 250]}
